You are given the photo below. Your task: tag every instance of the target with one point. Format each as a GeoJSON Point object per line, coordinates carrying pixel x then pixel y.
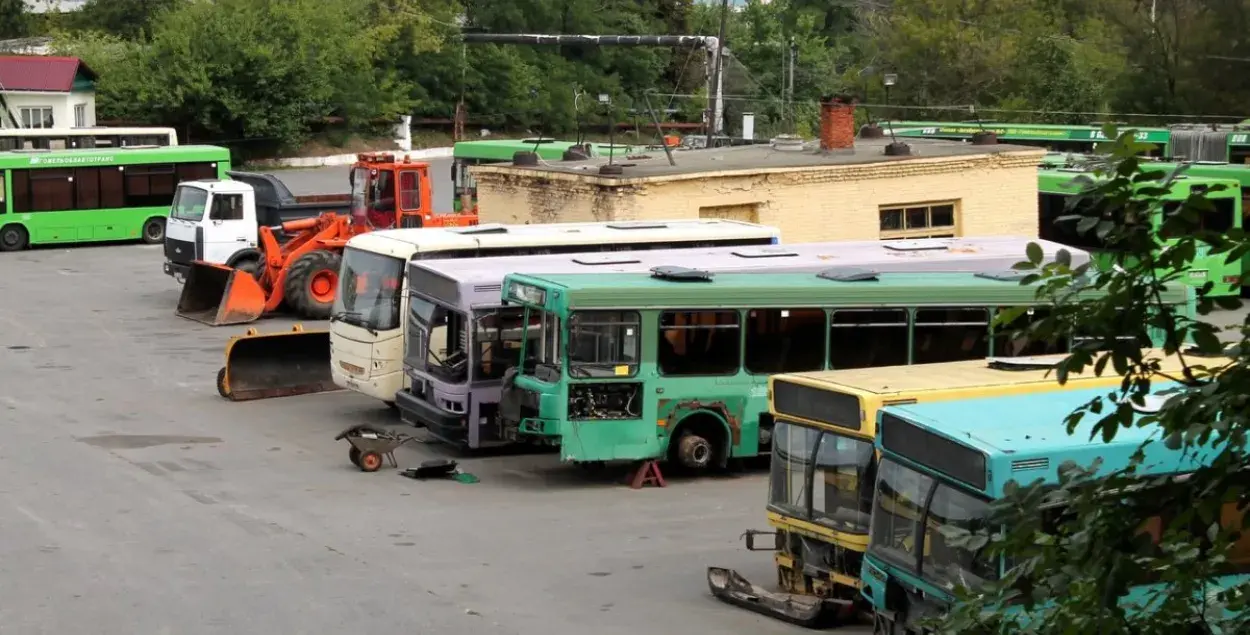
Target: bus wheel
{"type": "Point", "coordinates": [311, 282]}
{"type": "Point", "coordinates": [154, 231]}
{"type": "Point", "coordinates": [694, 451]}
{"type": "Point", "coordinates": [13, 238]}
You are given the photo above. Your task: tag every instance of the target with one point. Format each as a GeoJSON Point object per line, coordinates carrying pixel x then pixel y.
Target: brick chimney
{"type": "Point", "coordinates": [837, 123]}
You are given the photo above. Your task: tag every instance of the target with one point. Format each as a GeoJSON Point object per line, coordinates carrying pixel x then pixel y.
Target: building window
{"type": "Point", "coordinates": [918, 220]}
{"type": "Point", "coordinates": [80, 115]}
{"type": "Point", "coordinates": [37, 117]}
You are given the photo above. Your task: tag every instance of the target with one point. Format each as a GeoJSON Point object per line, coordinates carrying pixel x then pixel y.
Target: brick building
{"type": "Point", "coordinates": [842, 188]}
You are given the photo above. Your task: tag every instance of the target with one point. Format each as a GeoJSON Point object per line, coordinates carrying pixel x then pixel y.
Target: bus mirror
{"type": "Point", "coordinates": [749, 538]}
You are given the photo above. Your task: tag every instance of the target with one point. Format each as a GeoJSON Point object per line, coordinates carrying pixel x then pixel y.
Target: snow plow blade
{"type": "Point", "coordinates": [259, 366]}
{"type": "Point", "coordinates": [808, 611]}
{"type": "Point", "coordinates": [217, 295]}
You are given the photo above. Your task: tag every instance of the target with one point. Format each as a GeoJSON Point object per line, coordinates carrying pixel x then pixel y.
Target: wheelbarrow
{"type": "Point", "coordinates": [370, 444]}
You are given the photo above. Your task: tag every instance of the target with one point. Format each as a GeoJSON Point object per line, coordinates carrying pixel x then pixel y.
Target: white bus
{"type": "Point", "coordinates": [367, 327]}
{"type": "Point", "coordinates": [70, 138]}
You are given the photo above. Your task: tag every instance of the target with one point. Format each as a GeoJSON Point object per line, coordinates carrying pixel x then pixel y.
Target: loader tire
{"type": "Point", "coordinates": [311, 283]}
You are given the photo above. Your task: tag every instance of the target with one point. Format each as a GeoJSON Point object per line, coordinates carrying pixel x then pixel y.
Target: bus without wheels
{"type": "Point", "coordinates": [92, 195]}
{"type": "Point", "coordinates": [942, 466]}
{"type": "Point", "coordinates": [461, 340]}
{"type": "Point", "coordinates": [823, 464]}
{"type": "Point", "coordinates": [300, 270]}
{"type": "Point", "coordinates": [673, 366]}
{"type": "Point", "coordinates": [364, 348]}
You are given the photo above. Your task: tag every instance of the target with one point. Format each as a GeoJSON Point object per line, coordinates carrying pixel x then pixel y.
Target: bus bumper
{"type": "Point", "coordinates": [177, 270]}
{"type": "Point", "coordinates": [423, 414]}
{"type": "Point", "coordinates": [536, 427]}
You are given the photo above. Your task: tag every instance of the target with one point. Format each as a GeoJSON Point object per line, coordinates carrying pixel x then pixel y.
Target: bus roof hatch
{"type": "Point", "coordinates": [681, 274]}
{"type": "Point", "coordinates": [848, 274]}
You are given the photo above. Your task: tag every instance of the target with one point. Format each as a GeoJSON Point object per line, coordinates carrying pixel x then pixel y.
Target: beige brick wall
{"type": "Point", "coordinates": [996, 195]}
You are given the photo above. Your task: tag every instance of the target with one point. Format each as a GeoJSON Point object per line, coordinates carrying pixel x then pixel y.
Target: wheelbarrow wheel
{"type": "Point", "coordinates": [370, 461]}
{"type": "Point", "coordinates": [353, 455]}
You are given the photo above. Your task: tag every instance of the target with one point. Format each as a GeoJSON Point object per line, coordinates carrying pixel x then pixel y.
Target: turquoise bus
{"type": "Point", "coordinates": [943, 463]}
{"type": "Point", "coordinates": [1057, 186]}
{"type": "Point", "coordinates": [674, 365]}
{"type": "Point", "coordinates": [97, 194]}
{"type": "Point", "coordinates": [469, 153]}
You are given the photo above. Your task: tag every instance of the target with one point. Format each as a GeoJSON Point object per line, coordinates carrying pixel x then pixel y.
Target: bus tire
{"type": "Point", "coordinates": [700, 443]}
{"type": "Point", "coordinates": [13, 237]}
{"type": "Point", "coordinates": [153, 231]}
{"type": "Point", "coordinates": [311, 282]}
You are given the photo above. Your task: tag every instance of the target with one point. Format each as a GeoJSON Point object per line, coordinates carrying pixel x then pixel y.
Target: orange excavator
{"type": "Point", "coordinates": [301, 272]}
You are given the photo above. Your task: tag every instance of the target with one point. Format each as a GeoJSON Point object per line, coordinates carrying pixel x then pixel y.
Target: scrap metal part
{"type": "Point", "coordinates": [803, 610]}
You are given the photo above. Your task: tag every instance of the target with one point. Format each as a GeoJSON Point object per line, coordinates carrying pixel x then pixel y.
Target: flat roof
{"type": "Point", "coordinates": [750, 158]}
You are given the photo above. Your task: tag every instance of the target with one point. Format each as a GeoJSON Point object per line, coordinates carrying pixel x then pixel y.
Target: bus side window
{"type": "Point", "coordinates": [867, 338]}
{"type": "Point", "coordinates": [950, 334]}
{"type": "Point", "coordinates": [3, 207]}
{"type": "Point", "coordinates": [699, 343]}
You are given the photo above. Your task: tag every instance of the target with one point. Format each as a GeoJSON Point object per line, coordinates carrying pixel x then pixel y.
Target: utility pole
{"type": "Point", "coordinates": [794, 52]}
{"type": "Point", "coordinates": [713, 110]}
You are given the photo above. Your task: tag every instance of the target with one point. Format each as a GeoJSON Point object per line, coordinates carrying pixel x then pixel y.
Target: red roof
{"type": "Point", "coordinates": [41, 72]}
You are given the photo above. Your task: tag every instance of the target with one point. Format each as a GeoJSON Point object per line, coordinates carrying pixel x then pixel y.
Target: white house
{"type": "Point", "coordinates": [43, 91]}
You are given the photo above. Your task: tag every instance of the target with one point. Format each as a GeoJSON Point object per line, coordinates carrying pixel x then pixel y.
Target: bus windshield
{"type": "Point", "coordinates": [437, 341]}
{"type": "Point", "coordinates": [189, 203]}
{"type": "Point", "coordinates": [901, 498]}
{"type": "Point", "coordinates": [822, 477]}
{"type": "Point", "coordinates": [369, 290]}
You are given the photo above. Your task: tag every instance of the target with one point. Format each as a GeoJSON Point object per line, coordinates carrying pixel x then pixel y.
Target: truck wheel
{"type": "Point", "coordinates": [13, 238]}
{"type": "Point", "coordinates": [250, 267]}
{"type": "Point", "coordinates": [311, 282]}
{"type": "Point", "coordinates": [154, 231]}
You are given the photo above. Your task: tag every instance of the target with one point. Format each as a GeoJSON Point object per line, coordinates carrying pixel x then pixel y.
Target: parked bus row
{"type": "Point", "coordinates": [1221, 143]}
{"type": "Point", "coordinates": [869, 465]}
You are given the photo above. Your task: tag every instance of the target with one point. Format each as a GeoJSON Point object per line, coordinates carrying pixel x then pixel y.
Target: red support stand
{"type": "Point", "coordinates": [648, 473]}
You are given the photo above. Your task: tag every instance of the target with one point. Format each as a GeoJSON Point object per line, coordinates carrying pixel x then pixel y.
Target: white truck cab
{"type": "Point", "coordinates": [218, 221]}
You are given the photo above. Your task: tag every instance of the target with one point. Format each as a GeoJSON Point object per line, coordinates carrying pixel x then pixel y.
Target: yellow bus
{"type": "Point", "coordinates": [823, 467]}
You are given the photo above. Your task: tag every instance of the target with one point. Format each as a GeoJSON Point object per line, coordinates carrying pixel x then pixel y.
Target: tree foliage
{"type": "Point", "coordinates": [1033, 60]}
{"type": "Point", "coordinates": [1071, 574]}
{"type": "Point", "coordinates": [14, 19]}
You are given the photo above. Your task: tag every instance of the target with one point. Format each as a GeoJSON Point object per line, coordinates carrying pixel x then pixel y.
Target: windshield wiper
{"type": "Point", "coordinates": [343, 316]}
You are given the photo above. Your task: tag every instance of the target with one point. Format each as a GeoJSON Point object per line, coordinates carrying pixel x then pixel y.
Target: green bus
{"type": "Point", "coordinates": [469, 153]}
{"type": "Point", "coordinates": [1057, 185]}
{"type": "Point", "coordinates": [1059, 138]}
{"type": "Point", "coordinates": [1189, 142]}
{"type": "Point", "coordinates": [674, 365]}
{"type": "Point", "coordinates": [97, 194]}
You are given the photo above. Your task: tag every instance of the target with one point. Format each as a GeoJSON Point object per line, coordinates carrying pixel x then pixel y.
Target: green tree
{"type": "Point", "coordinates": [14, 19]}
{"type": "Point", "coordinates": [127, 18]}
{"type": "Point", "coordinates": [1069, 575]}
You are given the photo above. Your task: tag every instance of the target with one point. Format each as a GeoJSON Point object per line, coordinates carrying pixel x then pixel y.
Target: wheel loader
{"type": "Point", "coordinates": [301, 275]}
{"type": "Point", "coordinates": [301, 272]}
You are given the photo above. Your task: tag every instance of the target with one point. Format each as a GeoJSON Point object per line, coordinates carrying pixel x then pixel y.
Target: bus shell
{"type": "Point", "coordinates": [80, 138]}
{"type": "Point", "coordinates": [1055, 186]}
{"type": "Point", "coordinates": [366, 332]}
{"type": "Point", "coordinates": [458, 315]}
{"type": "Point", "coordinates": [823, 464]}
{"type": "Point", "coordinates": [466, 154]}
{"type": "Point", "coordinates": [70, 196]}
{"type": "Point", "coordinates": [639, 367]}
{"type": "Point", "coordinates": [944, 463]}
{"type": "Point", "coordinates": [1059, 138]}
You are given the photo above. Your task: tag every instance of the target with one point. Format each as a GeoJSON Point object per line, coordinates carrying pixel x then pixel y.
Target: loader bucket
{"type": "Point", "coordinates": [803, 610]}
{"type": "Point", "coordinates": [217, 295]}
{"type": "Point", "coordinates": [259, 366]}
